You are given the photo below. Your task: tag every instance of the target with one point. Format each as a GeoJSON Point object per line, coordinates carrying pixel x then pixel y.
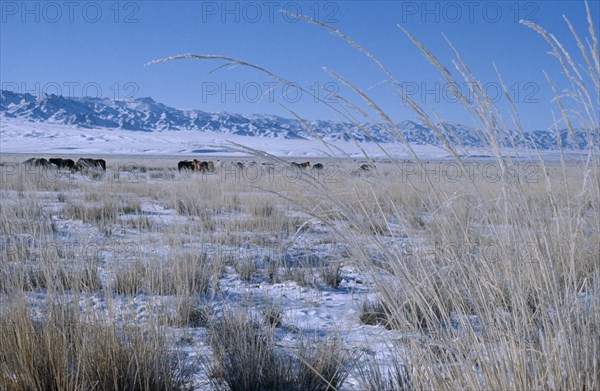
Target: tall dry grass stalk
{"type": "Point", "coordinates": [523, 316]}
{"type": "Point", "coordinates": [526, 315]}
{"type": "Point", "coordinates": [495, 282]}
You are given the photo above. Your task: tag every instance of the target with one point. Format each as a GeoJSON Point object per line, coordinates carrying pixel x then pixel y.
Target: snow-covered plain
{"type": "Point", "coordinates": [312, 309]}
{"type": "Point", "coordinates": [20, 136]}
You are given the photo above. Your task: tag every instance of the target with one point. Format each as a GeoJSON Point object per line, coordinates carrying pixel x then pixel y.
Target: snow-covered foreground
{"type": "Point", "coordinates": [146, 223]}
{"type": "Point", "coordinates": [158, 231]}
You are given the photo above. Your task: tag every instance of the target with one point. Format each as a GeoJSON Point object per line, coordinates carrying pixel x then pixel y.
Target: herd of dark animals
{"type": "Point", "coordinates": [301, 165]}
{"type": "Point", "coordinates": [209, 166]}
{"type": "Point", "coordinates": [195, 165]}
{"type": "Point", "coordinates": [85, 164]}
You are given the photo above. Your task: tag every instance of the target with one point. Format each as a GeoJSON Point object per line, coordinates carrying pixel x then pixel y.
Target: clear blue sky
{"type": "Point", "coordinates": [103, 46]}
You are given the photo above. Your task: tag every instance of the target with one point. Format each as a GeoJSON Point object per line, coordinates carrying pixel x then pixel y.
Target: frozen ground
{"type": "Point", "coordinates": [311, 309]}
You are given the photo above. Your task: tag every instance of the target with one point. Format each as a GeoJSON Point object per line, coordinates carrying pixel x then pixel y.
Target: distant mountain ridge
{"type": "Point", "coordinates": [145, 114]}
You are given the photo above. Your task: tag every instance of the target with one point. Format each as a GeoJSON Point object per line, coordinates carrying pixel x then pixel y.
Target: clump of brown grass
{"type": "Point", "coordinates": [182, 274]}
{"type": "Point", "coordinates": [62, 351]}
{"type": "Point", "coordinates": [245, 358]}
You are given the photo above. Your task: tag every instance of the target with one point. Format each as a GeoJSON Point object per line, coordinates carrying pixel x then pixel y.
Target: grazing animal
{"type": "Point", "coordinates": [317, 166]}
{"type": "Point", "coordinates": [38, 162]}
{"type": "Point", "coordinates": [198, 166]}
{"type": "Point", "coordinates": [84, 164]}
{"type": "Point", "coordinates": [301, 165]}
{"type": "Point", "coordinates": [367, 167]}
{"type": "Point", "coordinates": [185, 165]}
{"type": "Point", "coordinates": [239, 165]}
{"type": "Point", "coordinates": [63, 163]}
{"type": "Point", "coordinates": [204, 166]}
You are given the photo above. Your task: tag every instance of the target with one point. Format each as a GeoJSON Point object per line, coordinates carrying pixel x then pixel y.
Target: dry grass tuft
{"type": "Point", "coordinates": [246, 358]}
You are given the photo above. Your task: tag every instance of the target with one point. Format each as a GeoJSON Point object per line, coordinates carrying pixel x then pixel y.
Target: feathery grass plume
{"type": "Point", "coordinates": [521, 316]}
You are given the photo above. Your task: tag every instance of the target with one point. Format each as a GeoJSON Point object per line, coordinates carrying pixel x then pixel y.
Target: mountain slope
{"type": "Point", "coordinates": [144, 114]}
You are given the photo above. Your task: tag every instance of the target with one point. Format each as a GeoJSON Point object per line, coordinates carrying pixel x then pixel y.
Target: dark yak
{"type": "Point", "coordinates": [185, 165]}
{"type": "Point", "coordinates": [38, 162]}
{"type": "Point", "coordinates": [301, 165]}
{"type": "Point", "coordinates": [317, 166]}
{"type": "Point", "coordinates": [63, 163]}
{"type": "Point", "coordinates": [84, 164]}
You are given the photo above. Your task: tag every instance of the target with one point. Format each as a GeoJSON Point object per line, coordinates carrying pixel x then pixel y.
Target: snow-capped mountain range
{"type": "Point", "coordinates": [144, 114]}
